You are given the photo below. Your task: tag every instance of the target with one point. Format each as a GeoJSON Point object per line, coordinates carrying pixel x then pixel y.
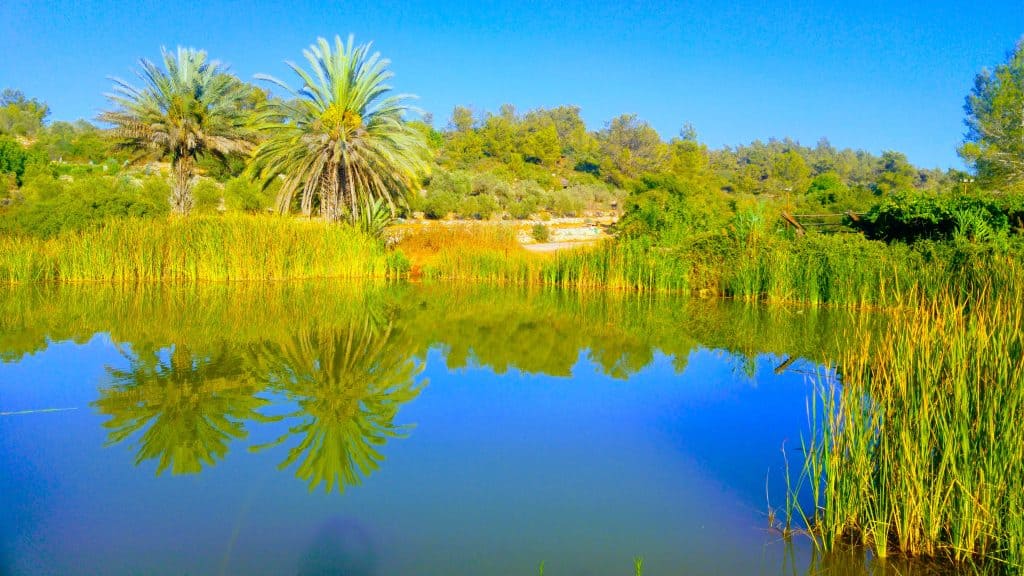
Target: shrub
{"type": "Point", "coordinates": [15, 159]}
{"type": "Point", "coordinates": [479, 207]}
{"type": "Point", "coordinates": [566, 203]}
{"type": "Point", "coordinates": [541, 233]}
{"type": "Point", "coordinates": [672, 211]}
{"type": "Point", "coordinates": [207, 194]}
{"type": "Point", "coordinates": [913, 216]}
{"type": "Point", "coordinates": [439, 204]}
{"type": "Point", "coordinates": [244, 195]}
{"type": "Point", "coordinates": [50, 206]}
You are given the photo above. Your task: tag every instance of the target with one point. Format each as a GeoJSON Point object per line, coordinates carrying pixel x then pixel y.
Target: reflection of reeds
{"type": "Point", "coordinates": [920, 451]}
{"type": "Point", "coordinates": [349, 384]}
{"type": "Point", "coordinates": [198, 248]}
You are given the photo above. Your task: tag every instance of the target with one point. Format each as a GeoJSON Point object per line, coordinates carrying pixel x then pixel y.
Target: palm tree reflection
{"type": "Point", "coordinates": [349, 383]}
{"type": "Point", "coordinates": [193, 404]}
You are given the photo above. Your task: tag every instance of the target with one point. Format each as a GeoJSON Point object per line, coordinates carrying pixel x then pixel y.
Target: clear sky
{"type": "Point", "coordinates": [872, 75]}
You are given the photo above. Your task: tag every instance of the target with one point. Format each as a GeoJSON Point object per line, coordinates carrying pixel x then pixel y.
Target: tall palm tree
{"type": "Point", "coordinates": [340, 142]}
{"type": "Point", "coordinates": [189, 108]}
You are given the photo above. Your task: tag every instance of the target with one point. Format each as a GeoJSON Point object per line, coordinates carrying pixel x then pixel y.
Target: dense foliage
{"type": "Point", "coordinates": [341, 142]}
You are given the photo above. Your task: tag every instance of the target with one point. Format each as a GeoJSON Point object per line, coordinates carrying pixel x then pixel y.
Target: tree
{"type": "Point", "coordinates": [462, 120]}
{"type": "Point", "coordinates": [895, 173]}
{"type": "Point", "coordinates": [20, 116]}
{"type": "Point", "coordinates": [341, 141]}
{"type": "Point", "coordinates": [690, 160]}
{"type": "Point", "coordinates": [631, 147]}
{"type": "Point", "coordinates": [79, 141]}
{"type": "Point", "coordinates": [827, 189]}
{"type": "Point", "coordinates": [994, 143]}
{"type": "Point", "coordinates": [14, 159]}
{"type": "Point", "coordinates": [190, 108]}
{"type": "Point", "coordinates": [789, 172]}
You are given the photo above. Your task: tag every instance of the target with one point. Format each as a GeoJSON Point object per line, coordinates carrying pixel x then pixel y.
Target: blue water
{"type": "Point", "coordinates": [496, 472]}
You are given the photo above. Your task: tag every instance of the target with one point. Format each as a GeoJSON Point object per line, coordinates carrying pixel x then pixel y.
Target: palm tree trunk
{"type": "Point", "coordinates": [181, 191]}
{"type": "Point", "coordinates": [351, 190]}
{"type": "Point", "coordinates": [331, 198]}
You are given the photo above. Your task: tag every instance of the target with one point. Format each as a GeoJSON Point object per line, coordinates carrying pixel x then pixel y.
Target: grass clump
{"type": "Point", "coordinates": [540, 233]}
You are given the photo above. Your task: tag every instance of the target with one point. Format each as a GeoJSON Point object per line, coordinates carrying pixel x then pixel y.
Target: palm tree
{"type": "Point", "coordinates": [189, 108]}
{"type": "Point", "coordinates": [340, 142]}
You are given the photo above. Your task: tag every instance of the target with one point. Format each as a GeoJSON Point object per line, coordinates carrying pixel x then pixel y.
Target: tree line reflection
{"type": "Point", "coordinates": [204, 366]}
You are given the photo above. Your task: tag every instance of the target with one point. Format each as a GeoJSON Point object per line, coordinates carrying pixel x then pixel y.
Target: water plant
{"type": "Point", "coordinates": [916, 450]}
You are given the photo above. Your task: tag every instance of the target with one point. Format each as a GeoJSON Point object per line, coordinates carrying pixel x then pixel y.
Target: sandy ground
{"type": "Point", "coordinates": [556, 246]}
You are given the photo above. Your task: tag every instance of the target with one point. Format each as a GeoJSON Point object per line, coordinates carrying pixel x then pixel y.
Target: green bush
{"type": "Point", "coordinates": [541, 233]}
{"type": "Point", "coordinates": [207, 195]}
{"type": "Point", "coordinates": [913, 216]}
{"type": "Point", "coordinates": [50, 206]}
{"type": "Point", "coordinates": [566, 203]}
{"type": "Point", "coordinates": [15, 159]}
{"type": "Point", "coordinates": [244, 195]}
{"type": "Point", "coordinates": [439, 204]}
{"type": "Point", "coordinates": [672, 211]}
{"type": "Point", "coordinates": [481, 207]}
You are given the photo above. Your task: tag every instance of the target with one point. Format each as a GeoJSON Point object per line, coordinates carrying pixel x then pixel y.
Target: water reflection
{"type": "Point", "coordinates": [190, 406]}
{"type": "Point", "coordinates": [204, 362]}
{"type": "Point", "coordinates": [320, 380]}
{"type": "Point", "coordinates": [349, 383]}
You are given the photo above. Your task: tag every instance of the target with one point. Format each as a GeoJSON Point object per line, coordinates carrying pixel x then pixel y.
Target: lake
{"type": "Point", "coordinates": [321, 428]}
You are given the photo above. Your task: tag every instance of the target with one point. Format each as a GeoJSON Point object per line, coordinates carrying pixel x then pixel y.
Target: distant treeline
{"type": "Point", "coordinates": [505, 164]}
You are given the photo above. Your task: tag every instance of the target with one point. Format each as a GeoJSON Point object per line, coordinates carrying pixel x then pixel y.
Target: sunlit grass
{"type": "Point", "coordinates": [223, 248]}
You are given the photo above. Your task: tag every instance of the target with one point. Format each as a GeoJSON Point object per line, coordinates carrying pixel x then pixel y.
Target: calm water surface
{"type": "Point", "coordinates": [402, 430]}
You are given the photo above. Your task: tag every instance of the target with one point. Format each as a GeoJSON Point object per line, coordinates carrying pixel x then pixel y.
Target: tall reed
{"type": "Point", "coordinates": [225, 248]}
{"type": "Point", "coordinates": [845, 270]}
{"type": "Point", "coordinates": [919, 451]}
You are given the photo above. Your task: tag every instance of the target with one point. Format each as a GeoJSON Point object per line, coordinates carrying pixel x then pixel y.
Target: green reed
{"type": "Point", "coordinates": [225, 248]}
{"type": "Point", "coordinates": [919, 451]}
{"type": "Point", "coordinates": [844, 270]}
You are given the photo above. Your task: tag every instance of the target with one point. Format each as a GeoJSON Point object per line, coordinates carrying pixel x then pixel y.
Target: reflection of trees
{"type": "Point", "coordinates": [349, 383]}
{"type": "Point", "coordinates": [193, 405]}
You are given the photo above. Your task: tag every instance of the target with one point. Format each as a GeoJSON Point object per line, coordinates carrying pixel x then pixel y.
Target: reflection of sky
{"type": "Point", "coordinates": [499, 473]}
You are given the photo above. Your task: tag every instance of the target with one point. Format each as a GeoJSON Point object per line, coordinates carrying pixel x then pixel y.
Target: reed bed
{"type": "Point", "coordinates": [219, 248]}
{"type": "Point", "coordinates": [919, 451]}
{"type": "Point", "coordinates": [834, 270]}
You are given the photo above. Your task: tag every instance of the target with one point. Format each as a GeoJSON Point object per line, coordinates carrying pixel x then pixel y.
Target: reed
{"type": "Point", "coordinates": [843, 270]}
{"type": "Point", "coordinates": [919, 451]}
{"type": "Point", "coordinates": [221, 248]}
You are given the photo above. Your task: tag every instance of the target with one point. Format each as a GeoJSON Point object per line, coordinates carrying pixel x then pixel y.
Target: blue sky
{"type": "Point", "coordinates": [872, 75]}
